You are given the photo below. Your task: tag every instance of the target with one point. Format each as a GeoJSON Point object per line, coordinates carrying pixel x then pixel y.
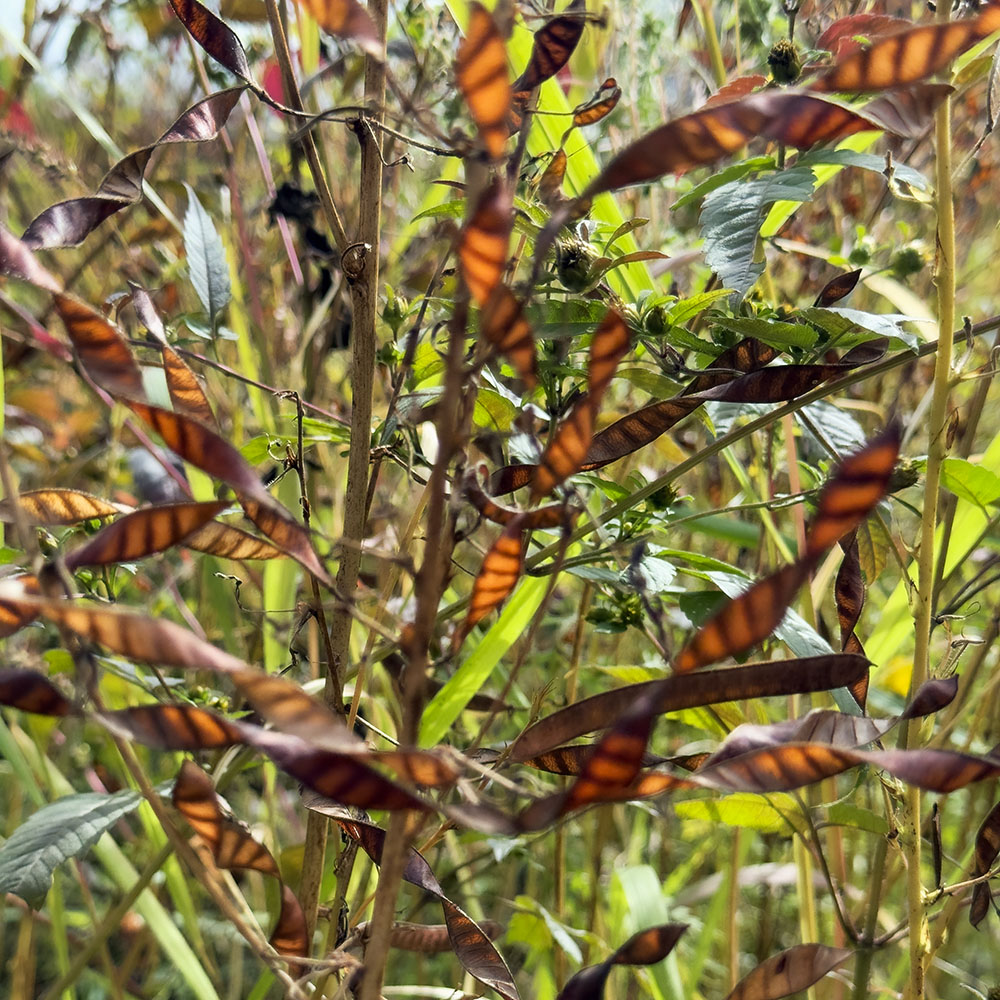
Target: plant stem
{"type": "Point", "coordinates": [924, 598]}
{"type": "Point", "coordinates": [110, 925]}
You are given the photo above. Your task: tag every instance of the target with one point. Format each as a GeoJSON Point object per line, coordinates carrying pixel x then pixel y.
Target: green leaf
{"type": "Point", "coordinates": [655, 575]}
{"type": "Point", "coordinates": [754, 812]}
{"type": "Point", "coordinates": [970, 482]}
{"type": "Point", "coordinates": [494, 411]}
{"type": "Point", "coordinates": [839, 323]}
{"type": "Point", "coordinates": [866, 161]}
{"type": "Point", "coordinates": [686, 309]}
{"type": "Point", "coordinates": [771, 331]}
{"type": "Point", "coordinates": [731, 173]}
{"type": "Point", "coordinates": [206, 258]}
{"type": "Point", "coordinates": [731, 219]}
{"type": "Point", "coordinates": [64, 829]}
{"type": "Point", "coordinates": [845, 814]}
{"type": "Point", "coordinates": [658, 386]}
{"type": "Point", "coordinates": [873, 548]}
{"type": "Point", "coordinates": [446, 706]}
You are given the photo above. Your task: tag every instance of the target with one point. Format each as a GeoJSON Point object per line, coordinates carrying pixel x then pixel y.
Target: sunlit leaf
{"type": "Point", "coordinates": [502, 323]}
{"type": "Point", "coordinates": [552, 47]}
{"type": "Point", "coordinates": [502, 567]}
{"type": "Point", "coordinates": [56, 506]}
{"type": "Point", "coordinates": [143, 533]}
{"type": "Point", "coordinates": [31, 691]}
{"type": "Point", "coordinates": [481, 73]}
{"type": "Point", "coordinates": [600, 105]}
{"type": "Point", "coordinates": [905, 56]}
{"type": "Point", "coordinates": [482, 248]}
{"type": "Point", "coordinates": [185, 390]}
{"type": "Point", "coordinates": [17, 260]}
{"type": "Point", "coordinates": [102, 350]}
{"type": "Point", "coordinates": [214, 36]}
{"type": "Point", "coordinates": [345, 19]}
{"type": "Point", "coordinates": [228, 542]}
{"type": "Point", "coordinates": [206, 258]}
{"type": "Point", "coordinates": [550, 183]}
{"type": "Point", "coordinates": [233, 848]}
{"type": "Point", "coordinates": [841, 37]}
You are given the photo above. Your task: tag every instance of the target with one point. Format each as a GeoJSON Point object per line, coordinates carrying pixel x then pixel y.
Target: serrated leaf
{"type": "Point", "coordinates": [770, 331]}
{"type": "Point", "coordinates": [866, 161]}
{"type": "Point", "coordinates": [731, 218]}
{"type": "Point", "coordinates": [206, 258]}
{"type": "Point", "coordinates": [61, 830]}
{"type": "Point", "coordinates": [839, 322]}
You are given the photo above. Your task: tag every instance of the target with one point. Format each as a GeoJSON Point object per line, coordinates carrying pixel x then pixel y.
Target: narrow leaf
{"type": "Point", "coordinates": [206, 257]}
{"type": "Point", "coordinates": [790, 972]}
{"type": "Point", "coordinates": [56, 507]}
{"type": "Point", "coordinates": [481, 73]}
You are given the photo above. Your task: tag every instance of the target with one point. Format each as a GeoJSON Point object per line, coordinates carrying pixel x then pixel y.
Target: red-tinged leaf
{"type": "Point", "coordinates": [502, 567]}
{"type": "Point", "coordinates": [905, 56]}
{"type": "Point", "coordinates": [909, 111]}
{"type": "Point", "coordinates": [553, 45]}
{"type": "Point", "coordinates": [645, 948]}
{"type": "Point", "coordinates": [841, 37]}
{"type": "Point", "coordinates": [101, 349]}
{"type": "Point", "coordinates": [644, 426]}
{"type": "Point", "coordinates": [838, 288]}
{"type": "Point", "coordinates": [794, 765]}
{"type": "Point", "coordinates": [481, 73]}
{"type": "Point", "coordinates": [756, 680]}
{"type": "Point", "coordinates": [566, 450]}
{"type": "Point", "coordinates": [17, 260]}
{"type": "Point", "coordinates": [56, 507]}
{"type": "Point", "coordinates": [482, 247]}
{"type": "Point", "coordinates": [14, 615]}
{"type": "Point", "coordinates": [145, 640]}
{"type": "Point", "coordinates": [790, 972]}
{"type": "Point", "coordinates": [345, 19]}
{"type": "Point", "coordinates": [707, 135]}
{"type": "Point", "coordinates": [68, 223]}
{"type": "Point", "coordinates": [426, 939]}
{"type": "Point", "coordinates": [471, 944]}
{"type": "Point", "coordinates": [175, 727]}
{"type": "Point", "coordinates": [987, 849]}
{"type": "Point", "coordinates": [744, 621]}
{"type": "Point", "coordinates": [502, 323]}
{"type": "Point", "coordinates": [609, 346]}
{"type": "Point", "coordinates": [290, 536]}
{"type": "Point", "coordinates": [608, 772]}
{"type": "Point", "coordinates": [143, 533]}
{"type": "Point", "coordinates": [142, 302]}
{"type": "Point", "coordinates": [31, 691]}
{"type": "Point", "coordinates": [571, 760]}
{"type": "Point", "coordinates": [858, 484]}
{"type": "Point", "coordinates": [849, 592]}
{"type": "Point", "coordinates": [600, 105]}
{"type": "Point", "coordinates": [203, 448]}
{"type": "Point", "coordinates": [739, 87]}
{"type": "Point", "coordinates": [233, 848]}
{"type": "Point", "coordinates": [833, 728]}
{"type": "Point", "coordinates": [214, 36]}
{"type": "Point", "coordinates": [185, 390]}
{"type": "Point", "coordinates": [553, 516]}
{"type": "Point", "coordinates": [550, 183]}
{"type": "Point", "coordinates": [228, 542]}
